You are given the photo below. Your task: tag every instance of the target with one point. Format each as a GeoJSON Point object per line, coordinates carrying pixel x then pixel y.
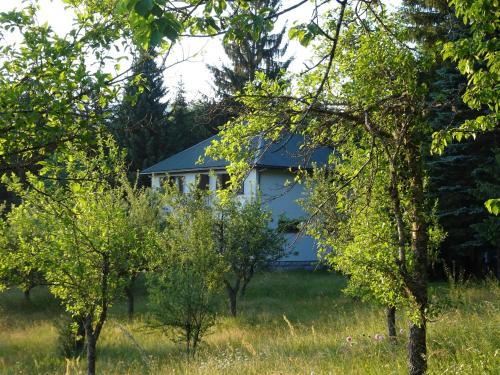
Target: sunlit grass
{"type": "Point", "coordinates": [290, 323]}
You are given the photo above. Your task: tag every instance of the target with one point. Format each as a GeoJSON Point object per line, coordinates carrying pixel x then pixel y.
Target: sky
{"type": "Point", "coordinates": [198, 52]}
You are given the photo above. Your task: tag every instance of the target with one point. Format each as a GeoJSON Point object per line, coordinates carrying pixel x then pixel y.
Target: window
{"type": "Point", "coordinates": [180, 183]}
{"type": "Point", "coordinates": [286, 225]}
{"type": "Point", "coordinates": [223, 180]}
{"type": "Point", "coordinates": [177, 181]}
{"type": "Point", "coordinates": [203, 182]}
{"type": "Point", "coordinates": [167, 180]}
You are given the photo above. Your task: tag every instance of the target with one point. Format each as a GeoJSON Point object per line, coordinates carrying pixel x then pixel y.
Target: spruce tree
{"type": "Point", "coordinates": [487, 185]}
{"type": "Point", "coordinates": [184, 129]}
{"type": "Point", "coordinates": [261, 53]}
{"type": "Point", "coordinates": [452, 181]}
{"type": "Point", "coordinates": [141, 123]}
{"type": "Point", "coordinates": [250, 56]}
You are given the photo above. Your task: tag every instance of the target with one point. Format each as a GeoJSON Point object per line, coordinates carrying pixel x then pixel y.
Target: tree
{"type": "Point", "coordinates": [141, 124]}
{"type": "Point", "coordinates": [451, 179]}
{"type": "Point", "coordinates": [257, 52]}
{"type": "Point", "coordinates": [453, 182]}
{"type": "Point", "coordinates": [478, 59]}
{"type": "Point", "coordinates": [187, 127]}
{"type": "Point", "coordinates": [17, 270]}
{"type": "Point", "coordinates": [245, 241]}
{"type": "Point", "coordinates": [488, 183]}
{"type": "Point", "coordinates": [49, 91]}
{"type": "Point", "coordinates": [145, 217]}
{"type": "Point", "coordinates": [366, 103]}
{"type": "Point", "coordinates": [185, 282]}
{"type": "Point", "coordinates": [87, 248]}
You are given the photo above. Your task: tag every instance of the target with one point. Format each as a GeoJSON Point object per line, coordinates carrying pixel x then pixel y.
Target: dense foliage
{"type": "Point", "coordinates": [380, 102]}
{"type": "Point", "coordinates": [74, 226]}
{"type": "Point", "coordinates": [245, 242]}
{"type": "Point", "coordinates": [186, 279]}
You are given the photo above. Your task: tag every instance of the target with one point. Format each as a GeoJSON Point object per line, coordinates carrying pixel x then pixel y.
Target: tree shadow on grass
{"type": "Point", "coordinates": [40, 306]}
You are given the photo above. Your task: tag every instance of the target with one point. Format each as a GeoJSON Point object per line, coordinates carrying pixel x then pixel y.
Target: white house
{"type": "Point", "coordinates": [272, 176]}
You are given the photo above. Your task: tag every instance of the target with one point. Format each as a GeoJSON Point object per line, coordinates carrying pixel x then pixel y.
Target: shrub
{"type": "Point", "coordinates": [70, 336]}
{"type": "Point", "coordinates": [185, 286]}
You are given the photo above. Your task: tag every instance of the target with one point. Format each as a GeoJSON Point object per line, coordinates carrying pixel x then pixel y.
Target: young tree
{"type": "Point", "coordinates": [87, 248]}
{"type": "Point", "coordinates": [145, 216]}
{"type": "Point", "coordinates": [185, 282]}
{"type": "Point", "coordinates": [245, 241]}
{"type": "Point", "coordinates": [17, 269]}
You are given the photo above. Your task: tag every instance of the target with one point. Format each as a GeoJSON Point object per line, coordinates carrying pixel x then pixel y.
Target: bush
{"type": "Point", "coordinates": [70, 336]}
{"type": "Point", "coordinates": [184, 304]}
{"type": "Point", "coordinates": [185, 286]}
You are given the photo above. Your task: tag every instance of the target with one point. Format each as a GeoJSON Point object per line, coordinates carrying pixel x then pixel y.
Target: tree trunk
{"type": "Point", "coordinates": [129, 292]}
{"type": "Point", "coordinates": [243, 289]}
{"type": "Point", "coordinates": [391, 322]}
{"type": "Point", "coordinates": [232, 294]}
{"type": "Point", "coordinates": [26, 293]}
{"type": "Point", "coordinates": [91, 347]}
{"type": "Point", "coordinates": [246, 280]}
{"type": "Point", "coordinates": [417, 348]}
{"type": "Point", "coordinates": [398, 215]}
{"type": "Point", "coordinates": [80, 338]}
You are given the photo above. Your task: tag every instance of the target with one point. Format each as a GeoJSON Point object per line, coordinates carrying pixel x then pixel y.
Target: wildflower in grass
{"type": "Point", "coordinates": [401, 331]}
{"type": "Point", "coordinates": [348, 339]}
{"type": "Point", "coordinates": [379, 337]}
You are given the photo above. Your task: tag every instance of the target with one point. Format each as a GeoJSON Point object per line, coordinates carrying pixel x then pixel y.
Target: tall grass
{"type": "Point", "coordinates": [290, 323]}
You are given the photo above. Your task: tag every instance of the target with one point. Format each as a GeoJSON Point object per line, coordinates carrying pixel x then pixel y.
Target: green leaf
{"type": "Point", "coordinates": [155, 38]}
{"type": "Point", "coordinates": [144, 7]}
{"type": "Point", "coordinates": [493, 206]}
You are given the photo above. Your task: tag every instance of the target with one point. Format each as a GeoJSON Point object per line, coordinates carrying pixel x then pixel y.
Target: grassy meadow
{"type": "Point", "coordinates": [292, 322]}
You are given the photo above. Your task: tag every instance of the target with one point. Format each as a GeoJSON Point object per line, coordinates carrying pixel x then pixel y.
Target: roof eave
{"type": "Point", "coordinates": [190, 170]}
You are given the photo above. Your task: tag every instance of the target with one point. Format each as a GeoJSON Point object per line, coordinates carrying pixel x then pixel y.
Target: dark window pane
{"type": "Point", "coordinates": [167, 181]}
{"type": "Point", "coordinates": [289, 225]}
{"type": "Point", "coordinates": [241, 190]}
{"type": "Point", "coordinates": [222, 181]}
{"type": "Point", "coordinates": [203, 182]}
{"type": "Point", "coordinates": [180, 183]}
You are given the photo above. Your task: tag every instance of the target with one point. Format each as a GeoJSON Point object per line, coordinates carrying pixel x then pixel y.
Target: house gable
{"type": "Point", "coordinates": [284, 154]}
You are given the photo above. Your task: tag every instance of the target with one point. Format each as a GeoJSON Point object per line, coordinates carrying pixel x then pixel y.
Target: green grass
{"type": "Point", "coordinates": [290, 323]}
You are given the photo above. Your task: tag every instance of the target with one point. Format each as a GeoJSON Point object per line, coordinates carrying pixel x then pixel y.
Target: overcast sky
{"type": "Point", "coordinates": [200, 51]}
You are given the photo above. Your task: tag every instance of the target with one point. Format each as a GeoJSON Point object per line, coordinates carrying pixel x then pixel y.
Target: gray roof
{"type": "Point", "coordinates": [283, 154]}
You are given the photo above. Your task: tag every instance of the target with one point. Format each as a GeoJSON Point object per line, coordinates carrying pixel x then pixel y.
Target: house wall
{"type": "Point", "coordinates": [279, 198]}
{"type": "Point", "coordinates": [250, 183]}
{"type": "Point", "coordinates": [280, 195]}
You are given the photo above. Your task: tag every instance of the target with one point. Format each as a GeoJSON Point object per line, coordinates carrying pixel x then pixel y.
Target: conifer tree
{"type": "Point", "coordinates": [488, 184]}
{"type": "Point", "coordinates": [141, 122]}
{"type": "Point", "coordinates": [255, 53]}
{"type": "Point", "coordinates": [184, 130]}
{"type": "Point", "coordinates": [451, 174]}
